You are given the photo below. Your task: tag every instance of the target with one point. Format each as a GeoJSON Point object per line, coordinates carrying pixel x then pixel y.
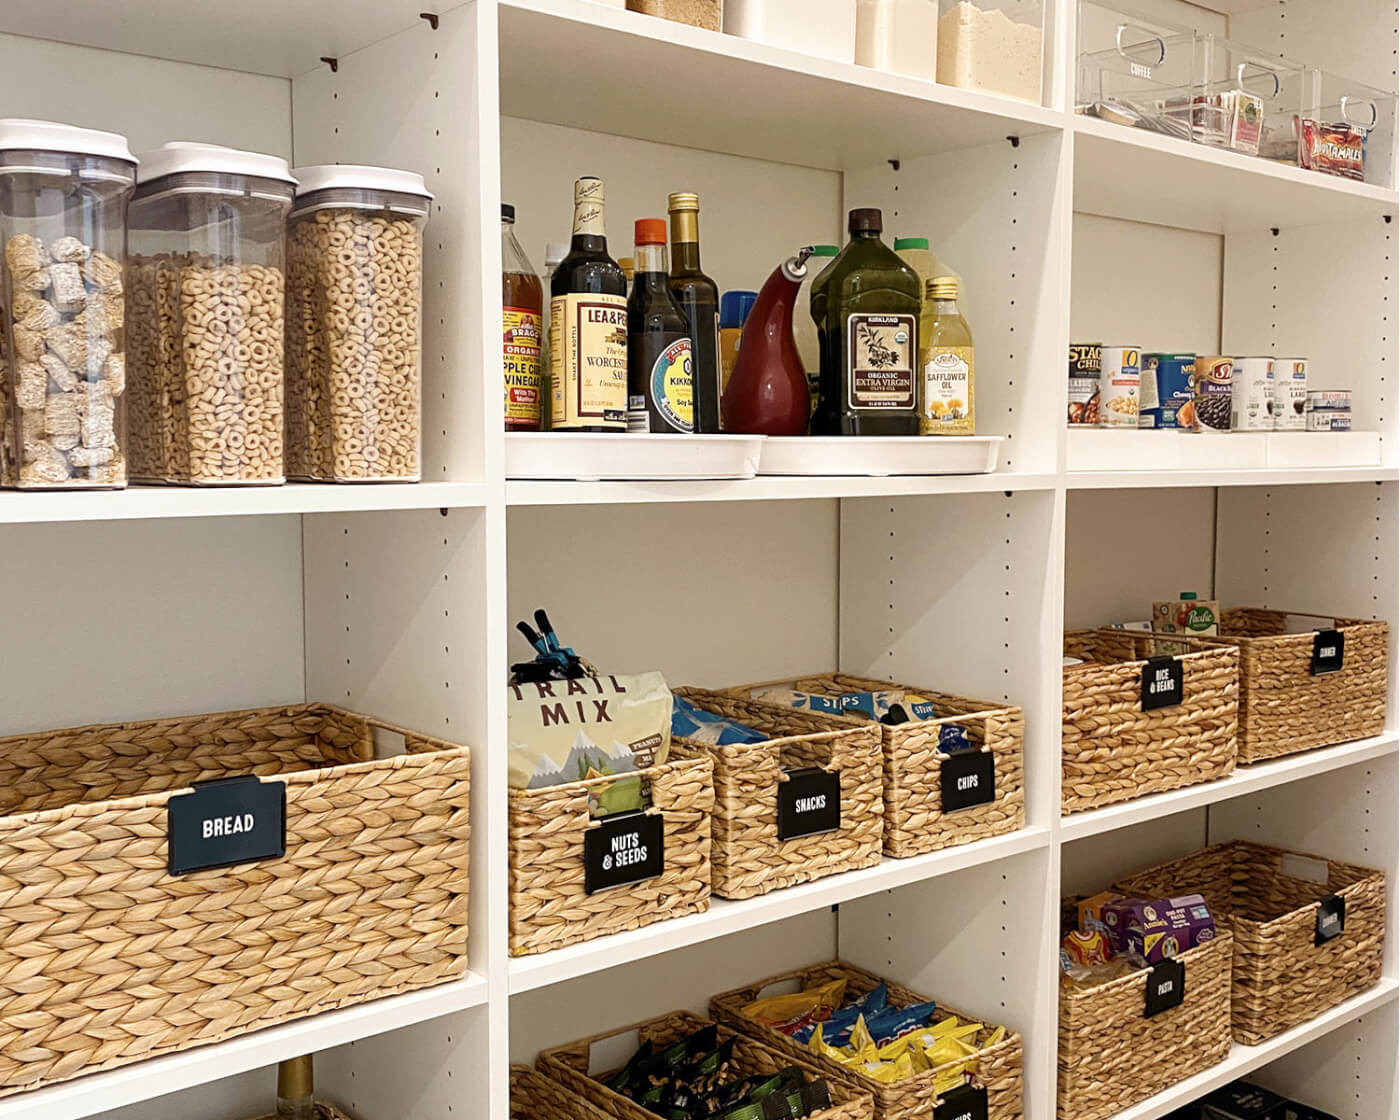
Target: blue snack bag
{"type": "Point", "coordinates": [953, 737]}
{"type": "Point", "coordinates": [836, 1031]}
{"type": "Point", "coordinates": [691, 722]}
{"type": "Point", "coordinates": [885, 1026]}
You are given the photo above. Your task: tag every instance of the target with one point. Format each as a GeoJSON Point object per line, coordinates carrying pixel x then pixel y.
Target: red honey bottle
{"type": "Point", "coordinates": [768, 393]}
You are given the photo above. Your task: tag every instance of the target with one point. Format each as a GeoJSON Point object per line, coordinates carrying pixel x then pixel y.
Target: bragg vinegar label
{"type": "Point", "coordinates": [520, 345]}
{"type": "Point", "coordinates": [880, 353]}
{"type": "Point", "coordinates": [588, 360]}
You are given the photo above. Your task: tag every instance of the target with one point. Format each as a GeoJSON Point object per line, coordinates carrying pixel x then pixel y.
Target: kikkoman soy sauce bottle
{"type": "Point", "coordinates": [660, 354]}
{"type": "Point", "coordinates": [866, 306]}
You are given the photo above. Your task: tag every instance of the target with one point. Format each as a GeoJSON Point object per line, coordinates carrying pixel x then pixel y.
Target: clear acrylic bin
{"type": "Point", "coordinates": [898, 36]}
{"type": "Point", "coordinates": [1136, 72]}
{"type": "Point", "coordinates": [205, 320]}
{"type": "Point", "coordinates": [1344, 119]}
{"type": "Point", "coordinates": [992, 45]}
{"type": "Point", "coordinates": [63, 197]}
{"type": "Point", "coordinates": [1250, 101]}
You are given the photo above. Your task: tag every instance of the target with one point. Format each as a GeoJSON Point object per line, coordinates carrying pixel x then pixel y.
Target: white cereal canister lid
{"type": "Point", "coordinates": [350, 176]}
{"type": "Point", "coordinates": [185, 157]}
{"type": "Point", "coordinates": [49, 136]}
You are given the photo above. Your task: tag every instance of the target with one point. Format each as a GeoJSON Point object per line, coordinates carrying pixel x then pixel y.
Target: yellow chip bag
{"type": "Point", "coordinates": [995, 1037]}
{"type": "Point", "coordinates": [817, 1045]}
{"type": "Point", "coordinates": [862, 1044]}
{"type": "Point", "coordinates": [789, 1011]}
{"type": "Point", "coordinates": [886, 1072]}
{"type": "Point", "coordinates": [947, 1082]}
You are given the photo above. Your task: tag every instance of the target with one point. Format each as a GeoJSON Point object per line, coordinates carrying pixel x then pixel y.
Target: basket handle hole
{"type": "Point", "coordinates": [608, 1054]}
{"type": "Point", "coordinates": [1305, 868]}
{"type": "Point", "coordinates": [388, 743]}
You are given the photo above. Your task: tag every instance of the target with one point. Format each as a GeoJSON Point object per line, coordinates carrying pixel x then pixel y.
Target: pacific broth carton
{"type": "Point", "coordinates": [1197, 618]}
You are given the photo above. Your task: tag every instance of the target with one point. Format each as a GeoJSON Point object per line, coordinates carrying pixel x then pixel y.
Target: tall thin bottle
{"type": "Point", "coordinates": [296, 1089]}
{"type": "Point", "coordinates": [660, 379]}
{"type": "Point", "coordinates": [698, 296]}
{"type": "Point", "coordinates": [866, 305]}
{"type": "Point", "coordinates": [588, 325]}
{"type": "Point", "coordinates": [522, 304]}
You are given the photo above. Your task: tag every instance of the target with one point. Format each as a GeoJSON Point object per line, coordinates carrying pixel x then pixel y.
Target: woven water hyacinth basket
{"type": "Point", "coordinates": [107, 958]}
{"type": "Point", "coordinates": [1284, 706]}
{"type": "Point", "coordinates": [549, 901]}
{"type": "Point", "coordinates": [1112, 750]}
{"type": "Point", "coordinates": [569, 1065]}
{"type": "Point", "coordinates": [997, 1069]}
{"type": "Point", "coordinates": [1271, 900]}
{"type": "Point", "coordinates": [1111, 1056]}
{"type": "Point", "coordinates": [746, 854]}
{"type": "Point", "coordinates": [915, 820]}
{"type": "Point", "coordinates": [533, 1096]}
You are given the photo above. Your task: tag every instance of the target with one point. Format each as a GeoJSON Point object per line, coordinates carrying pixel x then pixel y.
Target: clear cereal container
{"type": "Point", "coordinates": [992, 45]}
{"type": "Point", "coordinates": [1135, 72]}
{"type": "Point", "coordinates": [63, 197]}
{"type": "Point", "coordinates": [354, 324]}
{"type": "Point", "coordinates": [1347, 129]}
{"type": "Point", "coordinates": [205, 325]}
{"type": "Point", "coordinates": [1249, 101]}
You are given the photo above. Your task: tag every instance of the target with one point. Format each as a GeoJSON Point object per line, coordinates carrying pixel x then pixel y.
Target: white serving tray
{"type": "Point", "coordinates": [629, 456]}
{"type": "Point", "coordinates": [1163, 449]}
{"type": "Point", "coordinates": [879, 455]}
{"type": "Point", "coordinates": [1324, 449]}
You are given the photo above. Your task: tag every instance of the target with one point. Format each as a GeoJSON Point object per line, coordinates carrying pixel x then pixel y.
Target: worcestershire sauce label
{"type": "Point", "coordinates": [966, 1102]}
{"type": "Point", "coordinates": [624, 848]}
{"type": "Point", "coordinates": [969, 779]}
{"type": "Point", "coordinates": [1329, 646]}
{"type": "Point", "coordinates": [226, 822]}
{"type": "Point", "coordinates": [1161, 683]}
{"type": "Point", "coordinates": [1331, 919]}
{"type": "Point", "coordinates": [1166, 987]}
{"type": "Point", "coordinates": [809, 802]}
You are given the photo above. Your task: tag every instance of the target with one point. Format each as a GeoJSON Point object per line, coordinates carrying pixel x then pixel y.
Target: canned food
{"type": "Point", "coordinates": [1174, 379]}
{"type": "Point", "coordinates": [1252, 407]}
{"type": "Point", "coordinates": [1290, 394]}
{"type": "Point", "coordinates": [1149, 407]}
{"type": "Point", "coordinates": [1084, 382]}
{"type": "Point", "coordinates": [1329, 400]}
{"type": "Point", "coordinates": [1120, 382]}
{"type": "Point", "coordinates": [1214, 391]}
{"type": "Point", "coordinates": [1329, 420]}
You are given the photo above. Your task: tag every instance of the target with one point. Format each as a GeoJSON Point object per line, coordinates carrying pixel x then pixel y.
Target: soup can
{"type": "Point", "coordinates": [1120, 385]}
{"type": "Point", "coordinates": [1252, 407]}
{"type": "Point", "coordinates": [1084, 382]}
{"type": "Point", "coordinates": [1174, 377]}
{"type": "Point", "coordinates": [1214, 391]}
{"type": "Point", "coordinates": [1290, 394]}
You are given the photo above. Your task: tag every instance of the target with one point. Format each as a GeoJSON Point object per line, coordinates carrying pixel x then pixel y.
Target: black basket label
{"type": "Point", "coordinates": [226, 822]}
{"type": "Point", "coordinates": [1162, 683]}
{"type": "Point", "coordinates": [1331, 919]}
{"type": "Point", "coordinates": [809, 802]}
{"type": "Point", "coordinates": [623, 848]}
{"type": "Point", "coordinates": [966, 1102]}
{"type": "Point", "coordinates": [969, 779]}
{"type": "Point", "coordinates": [1329, 648]}
{"type": "Point", "coordinates": [1166, 987]}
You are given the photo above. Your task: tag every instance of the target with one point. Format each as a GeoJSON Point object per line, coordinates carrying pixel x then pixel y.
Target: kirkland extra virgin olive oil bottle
{"type": "Point", "coordinates": [866, 306]}
{"type": "Point", "coordinates": [588, 326]}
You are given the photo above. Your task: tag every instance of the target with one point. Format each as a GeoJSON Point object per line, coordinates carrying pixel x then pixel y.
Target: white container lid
{"type": "Point", "coordinates": [349, 176]}
{"type": "Point", "coordinates": [183, 156]}
{"type": "Point", "coordinates": [48, 136]}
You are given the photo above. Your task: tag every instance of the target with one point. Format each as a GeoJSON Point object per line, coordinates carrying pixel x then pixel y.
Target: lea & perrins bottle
{"type": "Point", "coordinates": [698, 297]}
{"type": "Point", "coordinates": [866, 306]}
{"type": "Point", "coordinates": [588, 325]}
{"type": "Point", "coordinates": [660, 357]}
{"type": "Point", "coordinates": [522, 306]}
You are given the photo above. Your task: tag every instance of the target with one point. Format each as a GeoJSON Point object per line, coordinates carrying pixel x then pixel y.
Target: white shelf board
{"type": "Point", "coordinates": [141, 502]}
{"type": "Point", "coordinates": [1244, 780]}
{"type": "Point", "coordinates": [1130, 173]}
{"type": "Point", "coordinates": [726, 94]}
{"type": "Point", "coordinates": [258, 36]}
{"type": "Point", "coordinates": [1243, 1060]}
{"type": "Point", "coordinates": [723, 916]}
{"type": "Point", "coordinates": [100, 1092]}
{"type": "Point", "coordinates": [768, 488]}
{"type": "Point", "coordinates": [1276, 476]}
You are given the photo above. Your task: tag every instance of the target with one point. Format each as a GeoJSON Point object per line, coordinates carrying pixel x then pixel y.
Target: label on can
{"type": "Point", "coordinates": [1120, 383]}
{"type": "Point", "coordinates": [1214, 391]}
{"type": "Point", "coordinates": [1290, 394]}
{"type": "Point", "coordinates": [1252, 399]}
{"type": "Point", "coordinates": [1149, 404]}
{"type": "Point", "coordinates": [1323, 399]}
{"type": "Point", "coordinates": [1084, 367]}
{"type": "Point", "coordinates": [1175, 378]}
{"type": "Point", "coordinates": [1329, 421]}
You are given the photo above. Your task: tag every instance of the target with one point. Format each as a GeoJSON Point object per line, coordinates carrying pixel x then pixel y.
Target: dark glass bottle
{"type": "Point", "coordinates": [698, 297]}
{"type": "Point", "coordinates": [866, 306]}
{"type": "Point", "coordinates": [660, 371]}
{"type": "Point", "coordinates": [588, 326]}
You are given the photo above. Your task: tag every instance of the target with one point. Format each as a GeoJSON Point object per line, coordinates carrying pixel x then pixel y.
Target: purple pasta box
{"type": "Point", "coordinates": [1160, 928]}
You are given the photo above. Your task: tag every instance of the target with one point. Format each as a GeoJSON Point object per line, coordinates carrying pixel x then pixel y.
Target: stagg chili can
{"type": "Point", "coordinates": [1084, 383]}
{"type": "Point", "coordinates": [1214, 392]}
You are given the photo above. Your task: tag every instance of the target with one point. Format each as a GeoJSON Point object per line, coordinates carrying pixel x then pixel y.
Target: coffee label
{"type": "Point", "coordinates": [226, 822]}
{"type": "Point", "coordinates": [809, 802]}
{"type": "Point", "coordinates": [588, 358]}
{"type": "Point", "coordinates": [880, 360]}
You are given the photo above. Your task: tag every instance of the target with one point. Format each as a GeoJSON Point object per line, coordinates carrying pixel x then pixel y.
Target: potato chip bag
{"type": "Point", "coordinates": [793, 1010]}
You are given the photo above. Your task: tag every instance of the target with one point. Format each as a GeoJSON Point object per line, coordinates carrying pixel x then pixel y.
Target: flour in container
{"type": "Point", "coordinates": [986, 49]}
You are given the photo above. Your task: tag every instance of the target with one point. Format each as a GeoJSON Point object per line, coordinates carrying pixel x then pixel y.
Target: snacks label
{"type": "Point", "coordinates": [809, 802]}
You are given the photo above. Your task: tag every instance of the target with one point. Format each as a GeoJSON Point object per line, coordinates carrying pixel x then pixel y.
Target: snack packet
{"type": "Point", "coordinates": [792, 1010]}
{"type": "Point", "coordinates": [837, 1029]}
{"type": "Point", "coordinates": [690, 722]}
{"type": "Point", "coordinates": [1333, 149]}
{"type": "Point", "coordinates": [896, 1021]}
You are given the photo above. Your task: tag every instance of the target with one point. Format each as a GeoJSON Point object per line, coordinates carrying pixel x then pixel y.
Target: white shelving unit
{"type": "Point", "coordinates": [398, 600]}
